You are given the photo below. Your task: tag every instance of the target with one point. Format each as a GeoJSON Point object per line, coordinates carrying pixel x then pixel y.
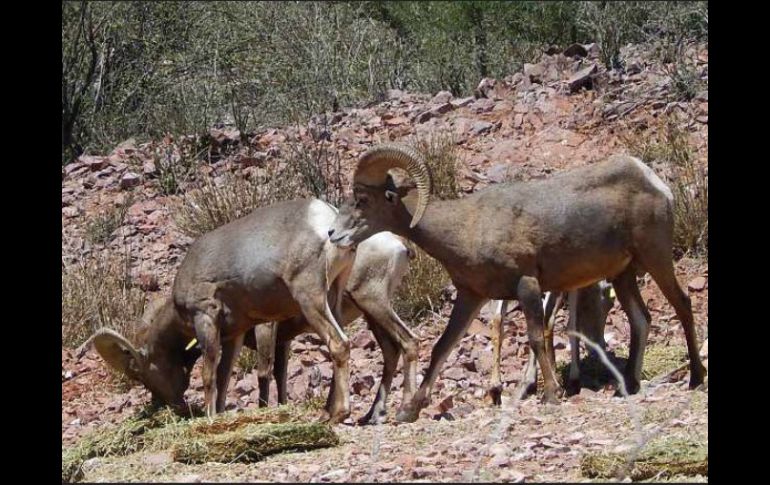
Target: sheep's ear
{"type": "Point", "coordinates": [119, 353]}
{"type": "Point", "coordinates": [392, 197]}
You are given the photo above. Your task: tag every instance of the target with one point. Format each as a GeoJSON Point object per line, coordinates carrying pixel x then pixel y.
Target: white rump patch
{"type": "Point", "coordinates": [320, 217]}
{"type": "Point", "coordinates": [384, 241]}
{"type": "Point", "coordinates": [654, 179]}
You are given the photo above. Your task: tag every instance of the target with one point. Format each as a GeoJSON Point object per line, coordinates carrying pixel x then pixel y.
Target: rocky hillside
{"type": "Point", "coordinates": [563, 111]}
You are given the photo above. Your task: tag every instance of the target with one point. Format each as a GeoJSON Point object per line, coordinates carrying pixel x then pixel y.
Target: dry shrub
{"type": "Point", "coordinates": [99, 228]}
{"type": "Point", "coordinates": [311, 169]}
{"type": "Point", "coordinates": [215, 203]}
{"type": "Point", "coordinates": [247, 361]}
{"type": "Point", "coordinates": [97, 291]}
{"type": "Point", "coordinates": [668, 143]}
{"type": "Point", "coordinates": [317, 167]}
{"type": "Point", "coordinates": [422, 288]}
{"type": "Point", "coordinates": [439, 150]}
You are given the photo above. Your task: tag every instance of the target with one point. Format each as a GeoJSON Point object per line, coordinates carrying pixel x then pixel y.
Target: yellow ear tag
{"type": "Point", "coordinates": [612, 292]}
{"type": "Point", "coordinates": [191, 344]}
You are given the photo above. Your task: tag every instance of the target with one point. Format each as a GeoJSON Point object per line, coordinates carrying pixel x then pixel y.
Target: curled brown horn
{"type": "Point", "coordinates": [117, 351]}
{"type": "Point", "coordinates": [373, 166]}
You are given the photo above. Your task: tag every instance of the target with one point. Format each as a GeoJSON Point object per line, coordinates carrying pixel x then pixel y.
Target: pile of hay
{"type": "Point", "coordinates": [243, 436]}
{"type": "Point", "coordinates": [662, 458]}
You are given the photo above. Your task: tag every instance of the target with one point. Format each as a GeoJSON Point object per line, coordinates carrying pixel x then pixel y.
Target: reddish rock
{"type": "Point", "coordinates": [442, 108]}
{"type": "Point", "coordinates": [481, 127]}
{"type": "Point", "coordinates": [442, 97]}
{"type": "Point", "coordinates": [697, 284]}
{"type": "Point", "coordinates": [395, 121]}
{"type": "Point", "coordinates": [71, 211]}
{"type": "Point", "coordinates": [582, 78]}
{"type": "Point", "coordinates": [92, 162]}
{"type": "Point", "coordinates": [130, 179]}
{"type": "Point", "coordinates": [148, 282]}
{"type": "Point", "coordinates": [462, 102]}
{"type": "Point", "coordinates": [149, 168]}
{"type": "Point", "coordinates": [535, 72]}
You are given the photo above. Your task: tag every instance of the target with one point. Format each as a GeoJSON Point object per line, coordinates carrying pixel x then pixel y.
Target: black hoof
{"type": "Point", "coordinates": [495, 394]}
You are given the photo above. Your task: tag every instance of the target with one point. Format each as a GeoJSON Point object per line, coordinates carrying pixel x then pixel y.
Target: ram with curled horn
{"type": "Point", "coordinates": [607, 220]}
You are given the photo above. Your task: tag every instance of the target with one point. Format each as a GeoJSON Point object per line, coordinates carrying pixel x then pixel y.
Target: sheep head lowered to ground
{"type": "Point", "coordinates": [271, 265]}
{"type": "Point", "coordinates": [517, 240]}
{"type": "Point", "coordinates": [159, 360]}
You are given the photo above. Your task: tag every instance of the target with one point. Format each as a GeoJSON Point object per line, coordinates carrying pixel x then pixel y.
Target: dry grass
{"type": "Point", "coordinates": [243, 436]}
{"type": "Point", "coordinates": [661, 458]}
{"type": "Point", "coordinates": [99, 228]}
{"type": "Point", "coordinates": [317, 167]}
{"type": "Point", "coordinates": [669, 143]}
{"type": "Point", "coordinates": [440, 152]}
{"type": "Point", "coordinates": [214, 204]}
{"type": "Point", "coordinates": [311, 169]}
{"type": "Point", "coordinates": [247, 361]}
{"type": "Point", "coordinates": [97, 291]}
{"type": "Point", "coordinates": [422, 288]}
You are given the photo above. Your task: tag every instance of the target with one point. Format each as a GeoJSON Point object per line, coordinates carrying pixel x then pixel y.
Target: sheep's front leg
{"type": "Point", "coordinates": [395, 339]}
{"type": "Point", "coordinates": [528, 293]}
{"type": "Point", "coordinates": [466, 307]}
{"type": "Point", "coordinates": [207, 334]}
{"type": "Point", "coordinates": [495, 390]}
{"type": "Point", "coordinates": [230, 351]}
{"type": "Point", "coordinates": [315, 308]}
{"type": "Point", "coordinates": [280, 368]}
{"type": "Point", "coordinates": [573, 383]}
{"type": "Point", "coordinates": [390, 354]}
{"type": "Point", "coordinates": [528, 385]}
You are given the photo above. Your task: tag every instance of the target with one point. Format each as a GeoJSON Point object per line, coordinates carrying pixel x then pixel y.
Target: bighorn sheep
{"type": "Point", "coordinates": [513, 241]}
{"type": "Point", "coordinates": [587, 314]}
{"type": "Point", "coordinates": [379, 266]}
{"type": "Point", "coordinates": [271, 265]}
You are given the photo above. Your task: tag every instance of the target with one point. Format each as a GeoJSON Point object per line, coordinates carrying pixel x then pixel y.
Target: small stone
{"type": "Point", "coordinates": [129, 179]}
{"type": "Point", "coordinates": [697, 284]}
{"type": "Point", "coordinates": [454, 373]}
{"type": "Point", "coordinates": [332, 475]}
{"type": "Point", "coordinates": [460, 103]}
{"type": "Point", "coordinates": [148, 282]}
{"type": "Point", "coordinates": [149, 168]}
{"type": "Point", "coordinates": [442, 108]}
{"type": "Point", "coordinates": [442, 97]}
{"type": "Point", "coordinates": [423, 471]}
{"type": "Point", "coordinates": [575, 50]}
{"type": "Point", "coordinates": [535, 72]}
{"type": "Point", "coordinates": [91, 463]}
{"type": "Point", "coordinates": [93, 163]}
{"type": "Point", "coordinates": [71, 211]}
{"type": "Point", "coordinates": [499, 461]}
{"type": "Point", "coordinates": [582, 78]}
{"type": "Point", "coordinates": [424, 116]}
{"type": "Point", "coordinates": [481, 127]}
{"type": "Point", "coordinates": [244, 386]}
